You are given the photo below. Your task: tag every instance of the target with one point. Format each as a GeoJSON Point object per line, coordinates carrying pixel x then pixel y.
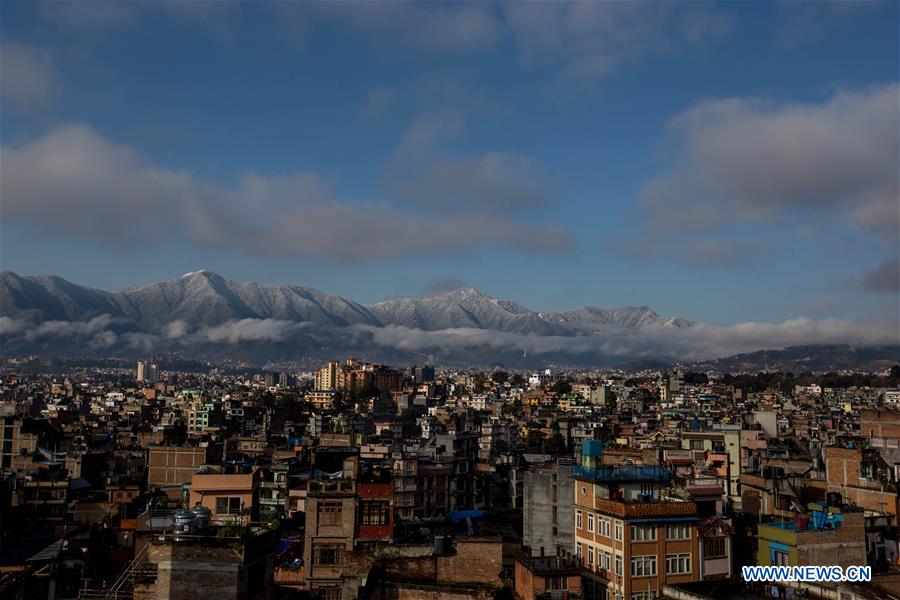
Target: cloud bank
{"type": "Point", "coordinates": [699, 341]}
{"type": "Point", "coordinates": [749, 160]}
{"type": "Point", "coordinates": [75, 182]}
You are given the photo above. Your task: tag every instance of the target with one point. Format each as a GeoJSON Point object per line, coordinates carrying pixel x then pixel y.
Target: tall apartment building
{"type": "Point", "coordinates": [548, 525]}
{"type": "Point", "coordinates": [330, 530]}
{"type": "Point", "coordinates": [329, 377]}
{"type": "Point", "coordinates": [631, 541]}
{"type": "Point", "coordinates": [147, 372]}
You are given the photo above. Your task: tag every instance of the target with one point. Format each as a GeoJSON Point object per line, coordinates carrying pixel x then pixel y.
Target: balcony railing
{"type": "Point", "coordinates": [604, 473]}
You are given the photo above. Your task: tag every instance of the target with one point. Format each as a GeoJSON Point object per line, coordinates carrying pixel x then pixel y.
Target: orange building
{"type": "Point", "coordinates": [230, 496]}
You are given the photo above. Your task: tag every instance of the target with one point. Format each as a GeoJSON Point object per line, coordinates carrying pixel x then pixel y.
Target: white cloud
{"type": "Point", "coordinates": [588, 41]}
{"type": "Point", "coordinates": [29, 78]}
{"type": "Point", "coordinates": [175, 329]}
{"type": "Point", "coordinates": [749, 160]}
{"type": "Point", "coordinates": [700, 341]}
{"type": "Point", "coordinates": [696, 342]}
{"type": "Point", "coordinates": [75, 182]}
{"type": "Point", "coordinates": [251, 330]}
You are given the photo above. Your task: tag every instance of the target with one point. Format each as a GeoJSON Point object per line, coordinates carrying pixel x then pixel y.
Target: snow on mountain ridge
{"type": "Point", "coordinates": [205, 298]}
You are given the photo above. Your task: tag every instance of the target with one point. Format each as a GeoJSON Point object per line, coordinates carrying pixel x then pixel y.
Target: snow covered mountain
{"type": "Point", "coordinates": [204, 299]}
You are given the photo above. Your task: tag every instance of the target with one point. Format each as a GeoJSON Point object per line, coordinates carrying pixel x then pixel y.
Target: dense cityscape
{"type": "Point", "coordinates": [359, 480]}
{"type": "Point", "coordinates": [449, 300]}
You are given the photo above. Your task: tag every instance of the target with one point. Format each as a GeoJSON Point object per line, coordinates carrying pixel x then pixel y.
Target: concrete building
{"type": "Point", "coordinates": [548, 523]}
{"type": "Point", "coordinates": [725, 440]}
{"type": "Point", "coordinates": [629, 540]}
{"type": "Point", "coordinates": [231, 494]}
{"type": "Point", "coordinates": [826, 535]}
{"type": "Point", "coordinates": [542, 577]}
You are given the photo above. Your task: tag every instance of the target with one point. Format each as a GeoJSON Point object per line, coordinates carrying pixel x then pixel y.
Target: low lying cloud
{"type": "Point", "coordinates": [699, 341]}
{"type": "Point", "coordinates": [75, 182]}
{"type": "Point", "coordinates": [251, 330]}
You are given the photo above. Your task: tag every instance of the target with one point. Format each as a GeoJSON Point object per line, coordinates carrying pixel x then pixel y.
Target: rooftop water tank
{"type": "Point", "coordinates": [184, 524]}
{"type": "Point", "coordinates": [592, 448]}
{"type": "Point", "coordinates": [201, 517]}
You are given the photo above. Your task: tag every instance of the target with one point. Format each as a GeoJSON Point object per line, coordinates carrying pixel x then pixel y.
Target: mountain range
{"type": "Point", "coordinates": [204, 298]}
{"type": "Point", "coordinates": [204, 315]}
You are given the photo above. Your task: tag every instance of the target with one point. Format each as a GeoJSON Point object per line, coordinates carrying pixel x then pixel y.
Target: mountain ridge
{"type": "Point", "coordinates": [205, 298]}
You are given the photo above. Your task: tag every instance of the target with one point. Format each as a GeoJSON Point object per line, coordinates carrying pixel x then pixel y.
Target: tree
{"type": "Point", "coordinates": [500, 377]}
{"type": "Point", "coordinates": [562, 387]}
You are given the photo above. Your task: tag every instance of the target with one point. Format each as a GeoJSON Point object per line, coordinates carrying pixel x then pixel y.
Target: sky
{"type": "Point", "coordinates": [726, 162]}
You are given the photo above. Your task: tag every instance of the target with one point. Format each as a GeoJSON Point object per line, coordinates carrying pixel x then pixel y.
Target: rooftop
{"type": "Point", "coordinates": [603, 473]}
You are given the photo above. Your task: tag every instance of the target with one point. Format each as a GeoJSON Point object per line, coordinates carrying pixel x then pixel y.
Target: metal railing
{"type": "Point", "coordinates": [621, 473]}
{"type": "Point", "coordinates": [139, 570]}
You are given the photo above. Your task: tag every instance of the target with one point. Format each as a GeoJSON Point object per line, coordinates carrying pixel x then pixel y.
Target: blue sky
{"type": "Point", "coordinates": [725, 162]}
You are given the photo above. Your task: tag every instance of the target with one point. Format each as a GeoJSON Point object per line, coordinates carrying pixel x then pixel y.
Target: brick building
{"type": "Point", "coordinates": [173, 466]}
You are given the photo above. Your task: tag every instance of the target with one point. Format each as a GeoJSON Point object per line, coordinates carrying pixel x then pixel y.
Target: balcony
{"type": "Point", "coordinates": [604, 473]}
{"type": "Point", "coordinates": [645, 509]}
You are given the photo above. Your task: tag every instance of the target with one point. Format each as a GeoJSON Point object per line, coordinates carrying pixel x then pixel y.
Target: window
{"type": "Point", "coordinates": [604, 560]}
{"type": "Point", "coordinates": [330, 513]}
{"type": "Point", "coordinates": [678, 564]}
{"type": "Point", "coordinates": [696, 444]}
{"type": "Point", "coordinates": [557, 583]}
{"type": "Point", "coordinates": [618, 531]}
{"type": "Point", "coordinates": [681, 531]}
{"type": "Point", "coordinates": [590, 526]}
{"type": "Point", "coordinates": [554, 516]}
{"type": "Point", "coordinates": [649, 595]}
{"type": "Point", "coordinates": [579, 519]}
{"type": "Point", "coordinates": [643, 566]}
{"type": "Point", "coordinates": [618, 565]}
{"type": "Point", "coordinates": [578, 550]}
{"type": "Point", "coordinates": [328, 554]}
{"type": "Point", "coordinates": [714, 548]}
{"type": "Point", "coordinates": [590, 556]}
{"type": "Point", "coordinates": [329, 593]}
{"type": "Point", "coordinates": [643, 533]}
{"type": "Point", "coordinates": [228, 505]}
{"type": "Point", "coordinates": [779, 559]}
{"type": "Point", "coordinates": [604, 526]}
{"type": "Point", "coordinates": [374, 513]}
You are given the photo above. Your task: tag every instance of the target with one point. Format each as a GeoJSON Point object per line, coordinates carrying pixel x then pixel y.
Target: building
{"type": "Point", "coordinates": [329, 377]}
{"type": "Point", "coordinates": [547, 577]}
{"type": "Point", "coordinates": [16, 437]}
{"type": "Point", "coordinates": [170, 466]}
{"type": "Point", "coordinates": [146, 372]}
{"type": "Point", "coordinates": [629, 539]}
{"type": "Point", "coordinates": [826, 535]}
{"type": "Point", "coordinates": [231, 493]}
{"type": "Point", "coordinates": [548, 526]}
{"type": "Point", "coordinates": [861, 476]}
{"type": "Point", "coordinates": [330, 529]}
{"type": "Point", "coordinates": [724, 440]}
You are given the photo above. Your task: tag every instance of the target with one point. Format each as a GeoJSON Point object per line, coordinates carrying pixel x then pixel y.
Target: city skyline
{"type": "Point", "coordinates": [728, 163]}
